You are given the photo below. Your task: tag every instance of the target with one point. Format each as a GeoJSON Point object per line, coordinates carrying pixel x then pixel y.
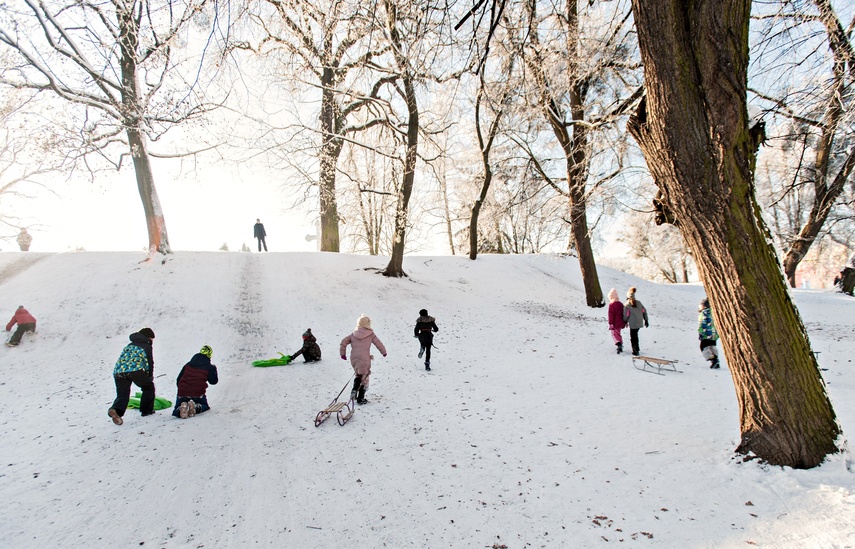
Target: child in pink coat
{"type": "Point", "coordinates": [360, 355]}
{"type": "Point", "coordinates": [616, 322]}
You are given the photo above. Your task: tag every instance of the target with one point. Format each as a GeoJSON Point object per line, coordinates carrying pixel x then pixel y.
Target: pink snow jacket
{"type": "Point", "coordinates": [616, 321]}
{"type": "Point", "coordinates": [21, 316]}
{"type": "Point", "coordinates": [360, 355]}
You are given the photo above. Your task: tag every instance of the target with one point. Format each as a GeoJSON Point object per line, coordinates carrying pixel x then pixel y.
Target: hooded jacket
{"type": "Point", "coordinates": [425, 324]}
{"type": "Point", "coordinates": [360, 354]}
{"type": "Point", "coordinates": [137, 355]}
{"type": "Point", "coordinates": [21, 316]}
{"type": "Point", "coordinates": [310, 350]}
{"type": "Point", "coordinates": [194, 377]}
{"type": "Point", "coordinates": [706, 327]}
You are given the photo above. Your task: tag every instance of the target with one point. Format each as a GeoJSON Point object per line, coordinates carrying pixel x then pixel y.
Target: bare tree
{"type": "Point", "coordinates": [330, 46]}
{"type": "Point", "coordinates": [819, 119]}
{"type": "Point", "coordinates": [695, 75]}
{"type": "Point", "coordinates": [118, 63]}
{"type": "Point", "coordinates": [660, 251]}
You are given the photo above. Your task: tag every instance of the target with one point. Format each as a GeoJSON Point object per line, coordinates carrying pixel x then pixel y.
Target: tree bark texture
{"type": "Point", "coordinates": [396, 262]}
{"type": "Point", "coordinates": [158, 240]}
{"type": "Point", "coordinates": [331, 143]}
{"type": "Point", "coordinates": [694, 132]}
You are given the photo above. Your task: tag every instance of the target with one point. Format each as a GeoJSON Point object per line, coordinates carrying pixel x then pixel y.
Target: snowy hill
{"type": "Point", "coordinates": [529, 432]}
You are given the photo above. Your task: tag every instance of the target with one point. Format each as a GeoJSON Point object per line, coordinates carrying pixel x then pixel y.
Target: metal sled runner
{"type": "Point", "coordinates": [657, 364]}
{"type": "Point", "coordinates": [343, 410]}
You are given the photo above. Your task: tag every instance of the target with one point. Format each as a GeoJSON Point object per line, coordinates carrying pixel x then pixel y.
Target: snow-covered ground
{"type": "Point", "coordinates": [529, 432]}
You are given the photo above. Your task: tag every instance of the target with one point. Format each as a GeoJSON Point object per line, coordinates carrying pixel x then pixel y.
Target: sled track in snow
{"type": "Point", "coordinates": [19, 266]}
{"type": "Point", "coordinates": [249, 323]}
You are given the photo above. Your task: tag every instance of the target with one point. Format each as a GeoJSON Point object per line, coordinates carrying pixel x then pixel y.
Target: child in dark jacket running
{"type": "Point", "coordinates": [424, 330]}
{"type": "Point", "coordinates": [310, 350]}
{"type": "Point", "coordinates": [193, 380]}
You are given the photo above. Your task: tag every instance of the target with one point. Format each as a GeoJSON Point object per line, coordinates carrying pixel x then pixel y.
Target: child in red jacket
{"type": "Point", "coordinates": [193, 380]}
{"type": "Point", "coordinates": [26, 323]}
{"type": "Point", "coordinates": [616, 323]}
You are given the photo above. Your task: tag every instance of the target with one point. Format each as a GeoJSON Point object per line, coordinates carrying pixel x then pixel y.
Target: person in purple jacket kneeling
{"type": "Point", "coordinates": [360, 356]}
{"type": "Point", "coordinates": [193, 380]}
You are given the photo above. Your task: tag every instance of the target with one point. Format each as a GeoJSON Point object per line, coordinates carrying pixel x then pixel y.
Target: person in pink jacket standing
{"type": "Point", "coordinates": [360, 355]}
{"type": "Point", "coordinates": [616, 323]}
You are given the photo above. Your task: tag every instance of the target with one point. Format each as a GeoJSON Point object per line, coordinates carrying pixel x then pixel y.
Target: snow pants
{"type": "Point", "coordinates": [633, 339]}
{"type": "Point", "coordinates": [616, 335]}
{"type": "Point", "coordinates": [201, 404]}
{"type": "Point", "coordinates": [19, 333]}
{"type": "Point", "coordinates": [144, 381]}
{"type": "Point", "coordinates": [708, 349]}
{"type": "Point", "coordinates": [426, 341]}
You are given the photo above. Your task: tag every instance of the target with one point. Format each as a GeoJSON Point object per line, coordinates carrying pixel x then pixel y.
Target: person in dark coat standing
{"type": "Point", "coordinates": [26, 323]}
{"type": "Point", "coordinates": [424, 330]}
{"type": "Point", "coordinates": [310, 350]}
{"type": "Point", "coordinates": [135, 366]}
{"type": "Point", "coordinates": [193, 380]}
{"type": "Point", "coordinates": [260, 234]}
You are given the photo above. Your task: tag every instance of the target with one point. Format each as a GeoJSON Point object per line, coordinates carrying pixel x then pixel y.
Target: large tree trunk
{"type": "Point", "coordinates": [330, 150]}
{"type": "Point", "coordinates": [158, 240]}
{"type": "Point", "coordinates": [693, 130]}
{"type": "Point", "coordinates": [396, 262]}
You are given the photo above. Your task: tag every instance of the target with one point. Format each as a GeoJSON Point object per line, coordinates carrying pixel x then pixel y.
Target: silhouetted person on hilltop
{"type": "Point", "coordinates": [260, 233]}
{"type": "Point", "coordinates": [24, 240]}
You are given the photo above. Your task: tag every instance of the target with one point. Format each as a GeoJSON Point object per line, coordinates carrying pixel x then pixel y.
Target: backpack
{"type": "Point", "coordinates": [132, 359]}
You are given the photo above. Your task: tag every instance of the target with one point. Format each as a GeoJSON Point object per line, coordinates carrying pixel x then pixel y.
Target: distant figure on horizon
{"type": "Point", "coordinates": [360, 341]}
{"type": "Point", "coordinates": [26, 323]}
{"type": "Point", "coordinates": [24, 240]}
{"type": "Point", "coordinates": [425, 327]}
{"type": "Point", "coordinates": [135, 365]}
{"type": "Point", "coordinates": [636, 316]}
{"type": "Point", "coordinates": [616, 321]}
{"type": "Point", "coordinates": [193, 380]}
{"type": "Point", "coordinates": [310, 350]}
{"type": "Point", "coordinates": [260, 233]}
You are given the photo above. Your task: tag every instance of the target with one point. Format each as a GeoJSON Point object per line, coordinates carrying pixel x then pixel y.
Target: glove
{"type": "Point", "coordinates": [344, 357]}
{"type": "Point", "coordinates": [647, 325]}
{"type": "Point", "coordinates": [611, 327]}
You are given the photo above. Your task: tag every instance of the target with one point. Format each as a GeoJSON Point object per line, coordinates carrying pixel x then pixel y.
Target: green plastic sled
{"type": "Point", "coordinates": [160, 403]}
{"type": "Point", "coordinates": [281, 361]}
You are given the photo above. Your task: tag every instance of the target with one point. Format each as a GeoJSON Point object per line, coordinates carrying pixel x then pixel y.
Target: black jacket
{"type": "Point", "coordinates": [425, 325]}
{"type": "Point", "coordinates": [258, 231]}
{"type": "Point", "coordinates": [310, 350]}
{"type": "Point", "coordinates": [194, 377]}
{"type": "Point", "coordinates": [144, 343]}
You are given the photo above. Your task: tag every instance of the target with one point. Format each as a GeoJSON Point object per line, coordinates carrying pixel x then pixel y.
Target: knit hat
{"type": "Point", "coordinates": [613, 295]}
{"type": "Point", "coordinates": [631, 292]}
{"type": "Point", "coordinates": [207, 351]}
{"type": "Point", "coordinates": [423, 312]}
{"type": "Point", "coordinates": [307, 334]}
{"type": "Point", "coordinates": [148, 332]}
{"type": "Point", "coordinates": [363, 322]}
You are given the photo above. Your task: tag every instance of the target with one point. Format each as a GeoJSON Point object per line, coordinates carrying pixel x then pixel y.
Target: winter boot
{"type": "Point", "coordinates": [714, 363]}
{"type": "Point", "coordinates": [183, 410]}
{"type": "Point", "coordinates": [114, 415]}
{"type": "Point", "coordinates": [619, 347]}
{"type": "Point", "coordinates": [360, 399]}
{"type": "Point", "coordinates": [427, 365]}
{"type": "Point", "coordinates": [191, 408]}
{"type": "Point", "coordinates": [357, 383]}
{"type": "Point", "coordinates": [421, 352]}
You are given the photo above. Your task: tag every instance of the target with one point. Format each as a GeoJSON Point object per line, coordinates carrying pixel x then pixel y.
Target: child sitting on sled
{"type": "Point", "coordinates": [193, 380]}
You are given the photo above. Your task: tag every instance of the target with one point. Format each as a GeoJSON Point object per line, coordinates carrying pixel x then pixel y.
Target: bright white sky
{"type": "Point", "coordinates": [202, 210]}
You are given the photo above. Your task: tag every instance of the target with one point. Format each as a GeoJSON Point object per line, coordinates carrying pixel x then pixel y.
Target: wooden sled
{"type": "Point", "coordinates": [343, 411]}
{"type": "Point", "coordinates": [653, 363]}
